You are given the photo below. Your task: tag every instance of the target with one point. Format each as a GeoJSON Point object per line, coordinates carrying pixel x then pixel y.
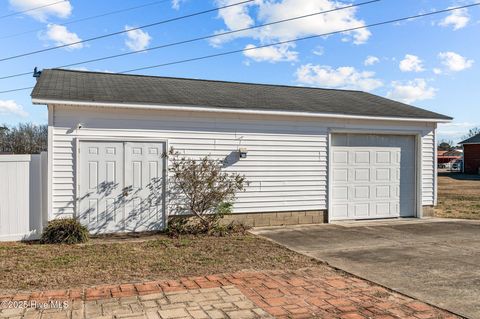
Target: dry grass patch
{"type": "Point", "coordinates": [458, 196]}
{"type": "Point", "coordinates": [27, 266]}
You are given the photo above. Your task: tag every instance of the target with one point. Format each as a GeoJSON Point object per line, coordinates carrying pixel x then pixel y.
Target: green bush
{"type": "Point", "coordinates": [64, 231]}
{"type": "Point", "coordinates": [192, 225]}
{"type": "Point", "coordinates": [189, 225]}
{"type": "Point", "coordinates": [233, 228]}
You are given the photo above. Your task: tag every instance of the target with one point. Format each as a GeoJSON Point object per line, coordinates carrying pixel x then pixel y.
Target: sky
{"type": "Point", "coordinates": [431, 62]}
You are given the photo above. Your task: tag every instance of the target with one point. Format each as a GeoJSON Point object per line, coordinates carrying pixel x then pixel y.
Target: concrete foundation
{"type": "Point", "coordinates": [428, 211]}
{"type": "Point", "coordinates": [279, 218]}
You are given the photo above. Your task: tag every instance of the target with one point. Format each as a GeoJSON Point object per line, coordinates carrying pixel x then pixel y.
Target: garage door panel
{"type": "Point", "coordinates": [341, 211]}
{"type": "Point", "coordinates": [383, 192]}
{"type": "Point", "coordinates": [340, 192]}
{"type": "Point", "coordinates": [382, 174]}
{"type": "Point", "coordinates": [340, 174]}
{"type": "Point", "coordinates": [361, 192]}
{"type": "Point", "coordinates": [361, 175]}
{"type": "Point", "coordinates": [373, 176]}
{"type": "Point", "coordinates": [361, 210]}
{"type": "Point", "coordinates": [340, 157]}
{"type": "Point", "coordinates": [361, 157]}
{"type": "Point", "coordinates": [383, 157]}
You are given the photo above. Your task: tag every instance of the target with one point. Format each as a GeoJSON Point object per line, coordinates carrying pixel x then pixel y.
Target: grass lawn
{"type": "Point", "coordinates": [458, 196]}
{"type": "Point", "coordinates": [29, 266]}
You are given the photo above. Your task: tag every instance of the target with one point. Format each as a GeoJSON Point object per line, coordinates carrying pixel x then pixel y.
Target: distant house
{"type": "Point", "coordinates": [471, 154]}
{"type": "Point", "coordinates": [449, 157]}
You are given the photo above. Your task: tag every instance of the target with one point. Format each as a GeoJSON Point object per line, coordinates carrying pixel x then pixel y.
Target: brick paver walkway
{"type": "Point", "coordinates": [307, 293]}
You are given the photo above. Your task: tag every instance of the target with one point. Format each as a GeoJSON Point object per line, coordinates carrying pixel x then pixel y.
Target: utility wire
{"type": "Point", "coordinates": [108, 13]}
{"type": "Point", "coordinates": [300, 39]}
{"type": "Point", "coordinates": [14, 90]}
{"type": "Point", "coordinates": [31, 9]}
{"type": "Point", "coordinates": [287, 41]}
{"type": "Point", "coordinates": [127, 30]}
{"type": "Point", "coordinates": [199, 38]}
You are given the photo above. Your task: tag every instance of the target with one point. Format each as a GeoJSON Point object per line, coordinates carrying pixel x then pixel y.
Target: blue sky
{"type": "Point", "coordinates": [431, 62]}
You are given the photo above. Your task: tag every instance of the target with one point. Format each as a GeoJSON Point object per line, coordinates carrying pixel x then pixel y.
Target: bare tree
{"type": "Point", "coordinates": [26, 138]}
{"type": "Point", "coordinates": [201, 188]}
{"type": "Point", "coordinates": [472, 132]}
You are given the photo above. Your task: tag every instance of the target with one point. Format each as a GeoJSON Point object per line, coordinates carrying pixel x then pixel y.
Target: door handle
{"type": "Point", "coordinates": [125, 193]}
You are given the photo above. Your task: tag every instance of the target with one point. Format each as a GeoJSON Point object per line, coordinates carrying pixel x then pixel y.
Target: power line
{"type": "Point", "coordinates": [31, 9]}
{"type": "Point", "coordinates": [301, 39]}
{"type": "Point", "coordinates": [199, 38]}
{"type": "Point", "coordinates": [125, 31]}
{"type": "Point", "coordinates": [108, 13]}
{"type": "Point", "coordinates": [287, 41]}
{"type": "Point", "coordinates": [14, 90]}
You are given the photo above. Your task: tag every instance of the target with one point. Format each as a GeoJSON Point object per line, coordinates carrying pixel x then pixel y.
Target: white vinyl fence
{"type": "Point", "coordinates": [23, 196]}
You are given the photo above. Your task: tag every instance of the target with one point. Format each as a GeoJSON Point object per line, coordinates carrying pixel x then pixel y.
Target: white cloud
{"type": "Point", "coordinates": [454, 131]}
{"type": "Point", "coordinates": [411, 91]}
{"type": "Point", "coordinates": [266, 11]}
{"type": "Point", "coordinates": [411, 63]}
{"type": "Point", "coordinates": [343, 77]}
{"type": "Point", "coordinates": [60, 35]}
{"type": "Point", "coordinates": [59, 10]}
{"type": "Point", "coordinates": [272, 54]}
{"type": "Point", "coordinates": [319, 50]}
{"type": "Point", "coordinates": [437, 71]}
{"type": "Point", "coordinates": [371, 60]}
{"type": "Point", "coordinates": [455, 62]}
{"type": "Point", "coordinates": [458, 19]}
{"type": "Point", "coordinates": [137, 39]}
{"type": "Point", "coordinates": [176, 4]}
{"type": "Point", "coordinates": [11, 107]}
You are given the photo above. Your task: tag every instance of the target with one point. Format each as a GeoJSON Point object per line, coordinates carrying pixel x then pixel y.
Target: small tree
{"type": "Point", "coordinates": [445, 145]}
{"type": "Point", "coordinates": [201, 188]}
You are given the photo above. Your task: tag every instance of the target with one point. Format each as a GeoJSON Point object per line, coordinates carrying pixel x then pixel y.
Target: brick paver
{"type": "Point", "coordinates": [307, 293]}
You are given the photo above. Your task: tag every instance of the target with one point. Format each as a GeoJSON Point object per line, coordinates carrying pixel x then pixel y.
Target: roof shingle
{"type": "Point", "coordinates": [472, 140]}
{"type": "Point", "coordinates": [67, 85]}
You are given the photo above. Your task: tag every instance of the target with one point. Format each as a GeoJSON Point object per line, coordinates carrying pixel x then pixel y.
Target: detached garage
{"type": "Point", "coordinates": [312, 155]}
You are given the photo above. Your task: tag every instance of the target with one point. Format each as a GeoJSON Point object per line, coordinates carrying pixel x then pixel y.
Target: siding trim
{"type": "Point", "coordinates": [50, 148]}
{"type": "Point", "coordinates": [419, 173]}
{"type": "Point", "coordinates": [190, 108]}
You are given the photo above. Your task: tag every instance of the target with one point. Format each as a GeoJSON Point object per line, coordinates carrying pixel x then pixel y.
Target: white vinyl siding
{"type": "Point", "coordinates": [428, 168]}
{"type": "Point", "coordinates": [286, 165]}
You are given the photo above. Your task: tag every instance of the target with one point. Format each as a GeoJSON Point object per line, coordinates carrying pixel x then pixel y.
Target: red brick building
{"type": "Point", "coordinates": [471, 155]}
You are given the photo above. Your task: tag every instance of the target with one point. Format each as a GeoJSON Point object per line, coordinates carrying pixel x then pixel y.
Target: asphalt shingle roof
{"type": "Point", "coordinates": [67, 85]}
{"type": "Point", "coordinates": [472, 140]}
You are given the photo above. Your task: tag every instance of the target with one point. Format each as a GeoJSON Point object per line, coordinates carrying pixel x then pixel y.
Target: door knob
{"type": "Point", "coordinates": [125, 193]}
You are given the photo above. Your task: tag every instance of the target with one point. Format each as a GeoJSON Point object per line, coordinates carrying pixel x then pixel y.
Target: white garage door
{"type": "Point", "coordinates": [121, 186]}
{"type": "Point", "coordinates": [373, 176]}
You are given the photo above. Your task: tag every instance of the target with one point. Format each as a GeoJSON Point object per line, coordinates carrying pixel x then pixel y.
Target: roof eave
{"type": "Point", "coordinates": [233, 110]}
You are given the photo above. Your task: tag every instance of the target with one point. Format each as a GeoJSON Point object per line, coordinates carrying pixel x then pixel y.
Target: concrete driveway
{"type": "Point", "coordinates": [433, 260]}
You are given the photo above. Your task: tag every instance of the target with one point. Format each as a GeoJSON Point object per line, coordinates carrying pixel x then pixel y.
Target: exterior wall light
{"type": "Point", "coordinates": [242, 152]}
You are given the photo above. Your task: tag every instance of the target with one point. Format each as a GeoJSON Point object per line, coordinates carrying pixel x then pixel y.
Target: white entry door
{"type": "Point", "coordinates": [373, 176]}
{"type": "Point", "coordinates": [121, 186]}
{"type": "Point", "coordinates": [144, 186]}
